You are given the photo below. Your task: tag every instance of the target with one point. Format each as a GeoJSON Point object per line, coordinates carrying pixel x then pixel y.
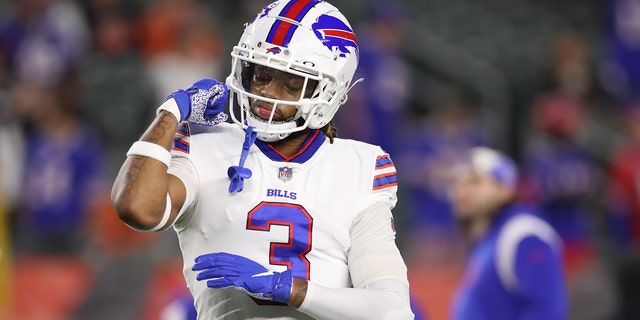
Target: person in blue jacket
{"type": "Point", "coordinates": [515, 265]}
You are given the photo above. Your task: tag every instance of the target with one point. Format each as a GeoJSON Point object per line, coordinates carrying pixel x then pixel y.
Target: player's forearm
{"type": "Point", "coordinates": [140, 189]}
{"type": "Point", "coordinates": [381, 300]}
{"type": "Point", "coordinates": [298, 292]}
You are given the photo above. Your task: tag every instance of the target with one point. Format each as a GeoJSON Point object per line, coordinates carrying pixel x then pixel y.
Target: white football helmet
{"type": "Point", "coordinates": [307, 38]}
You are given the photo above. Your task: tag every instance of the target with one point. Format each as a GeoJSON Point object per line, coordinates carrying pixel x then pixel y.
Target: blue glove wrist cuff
{"type": "Point", "coordinates": [184, 103]}
{"type": "Point", "coordinates": [282, 287]}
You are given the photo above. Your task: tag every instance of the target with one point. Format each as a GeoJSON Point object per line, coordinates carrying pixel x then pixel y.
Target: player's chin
{"type": "Point", "coordinates": [465, 212]}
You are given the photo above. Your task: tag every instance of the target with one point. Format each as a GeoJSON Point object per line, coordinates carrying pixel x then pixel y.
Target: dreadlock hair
{"type": "Point", "coordinates": [330, 131]}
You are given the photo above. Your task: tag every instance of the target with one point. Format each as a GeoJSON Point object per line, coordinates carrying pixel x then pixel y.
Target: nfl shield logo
{"type": "Point", "coordinates": [285, 173]}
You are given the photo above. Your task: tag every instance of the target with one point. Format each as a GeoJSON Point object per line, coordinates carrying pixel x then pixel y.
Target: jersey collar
{"type": "Point", "coordinates": [309, 148]}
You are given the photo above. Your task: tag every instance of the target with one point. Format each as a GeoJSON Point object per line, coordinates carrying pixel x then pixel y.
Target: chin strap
{"type": "Point", "coordinates": [238, 173]}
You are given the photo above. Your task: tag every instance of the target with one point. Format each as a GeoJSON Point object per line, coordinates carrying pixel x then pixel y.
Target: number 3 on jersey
{"type": "Point", "coordinates": [293, 252]}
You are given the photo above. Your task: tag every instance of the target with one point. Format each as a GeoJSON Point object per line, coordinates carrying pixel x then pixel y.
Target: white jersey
{"type": "Point", "coordinates": [296, 213]}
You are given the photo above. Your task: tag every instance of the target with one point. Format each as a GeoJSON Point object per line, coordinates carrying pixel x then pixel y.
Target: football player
{"type": "Point", "coordinates": [276, 217]}
{"type": "Point", "coordinates": [514, 270]}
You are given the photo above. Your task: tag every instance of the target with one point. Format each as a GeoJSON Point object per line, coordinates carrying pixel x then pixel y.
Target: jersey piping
{"type": "Point", "coordinates": [309, 148]}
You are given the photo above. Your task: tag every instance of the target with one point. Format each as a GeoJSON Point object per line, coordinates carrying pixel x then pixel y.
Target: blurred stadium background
{"type": "Point", "coordinates": [553, 83]}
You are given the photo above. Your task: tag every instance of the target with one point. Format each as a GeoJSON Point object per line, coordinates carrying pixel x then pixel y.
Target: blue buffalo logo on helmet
{"type": "Point", "coordinates": [334, 33]}
{"type": "Point", "coordinates": [274, 50]}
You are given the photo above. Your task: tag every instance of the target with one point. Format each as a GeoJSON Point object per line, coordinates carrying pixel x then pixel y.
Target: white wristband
{"type": "Point", "coordinates": [151, 150]}
{"type": "Point", "coordinates": [172, 106]}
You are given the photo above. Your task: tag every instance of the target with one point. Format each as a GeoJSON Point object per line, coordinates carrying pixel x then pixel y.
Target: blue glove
{"type": "Point", "coordinates": [202, 103]}
{"type": "Point", "coordinates": [229, 270]}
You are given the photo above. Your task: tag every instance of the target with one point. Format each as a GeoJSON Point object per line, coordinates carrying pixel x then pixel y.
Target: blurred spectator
{"type": "Point", "coordinates": [515, 265]}
{"type": "Point", "coordinates": [162, 24]}
{"type": "Point", "coordinates": [11, 155]}
{"type": "Point", "coordinates": [560, 174]}
{"type": "Point", "coordinates": [62, 181]}
{"type": "Point", "coordinates": [118, 94]}
{"type": "Point", "coordinates": [563, 178]}
{"type": "Point", "coordinates": [570, 72]}
{"type": "Point", "coordinates": [378, 106]}
{"type": "Point", "coordinates": [180, 44]}
{"type": "Point", "coordinates": [623, 204]}
{"type": "Point", "coordinates": [571, 80]}
{"type": "Point", "coordinates": [427, 150]}
{"type": "Point", "coordinates": [43, 39]}
{"type": "Point", "coordinates": [11, 145]}
{"type": "Point", "coordinates": [63, 169]}
{"type": "Point", "coordinates": [95, 9]}
{"type": "Point", "coordinates": [621, 72]}
{"type": "Point", "coordinates": [624, 182]}
{"type": "Point", "coordinates": [428, 146]}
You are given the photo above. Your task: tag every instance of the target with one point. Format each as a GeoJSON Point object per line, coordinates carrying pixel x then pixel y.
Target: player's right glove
{"type": "Point", "coordinates": [222, 270]}
{"type": "Point", "coordinates": [202, 103]}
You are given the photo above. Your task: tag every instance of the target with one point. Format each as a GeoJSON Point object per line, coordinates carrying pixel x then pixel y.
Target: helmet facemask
{"type": "Point", "coordinates": [316, 95]}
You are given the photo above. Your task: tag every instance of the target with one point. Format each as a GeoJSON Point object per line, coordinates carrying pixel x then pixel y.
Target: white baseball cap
{"type": "Point", "coordinates": [494, 164]}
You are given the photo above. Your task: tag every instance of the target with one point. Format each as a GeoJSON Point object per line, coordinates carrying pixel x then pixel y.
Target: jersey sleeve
{"type": "Point", "coordinates": [374, 255]}
{"type": "Point", "coordinates": [182, 167]}
{"type": "Point", "coordinates": [541, 282]}
{"type": "Point", "coordinates": [386, 300]}
{"type": "Point", "coordinates": [529, 264]}
{"type": "Point", "coordinates": [384, 181]}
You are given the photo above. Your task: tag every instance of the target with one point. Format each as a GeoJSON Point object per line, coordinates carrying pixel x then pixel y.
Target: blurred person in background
{"type": "Point", "coordinates": [623, 205]}
{"type": "Point", "coordinates": [11, 144]}
{"type": "Point", "coordinates": [43, 39]}
{"type": "Point", "coordinates": [11, 159]}
{"type": "Point", "coordinates": [560, 172]}
{"type": "Point", "coordinates": [621, 75]}
{"type": "Point", "coordinates": [115, 65]}
{"type": "Point", "coordinates": [570, 135]}
{"type": "Point", "coordinates": [620, 70]}
{"type": "Point", "coordinates": [382, 103]}
{"type": "Point", "coordinates": [179, 42]}
{"type": "Point", "coordinates": [559, 175]}
{"type": "Point", "coordinates": [42, 43]}
{"type": "Point", "coordinates": [63, 186]}
{"type": "Point", "coordinates": [64, 169]}
{"type": "Point", "coordinates": [429, 144]}
{"type": "Point", "coordinates": [515, 266]}
{"type": "Point", "coordinates": [564, 181]}
{"type": "Point", "coordinates": [623, 190]}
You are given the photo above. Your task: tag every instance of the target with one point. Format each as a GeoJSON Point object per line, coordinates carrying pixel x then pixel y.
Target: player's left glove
{"type": "Point", "coordinates": [224, 270]}
{"type": "Point", "coordinates": [202, 103]}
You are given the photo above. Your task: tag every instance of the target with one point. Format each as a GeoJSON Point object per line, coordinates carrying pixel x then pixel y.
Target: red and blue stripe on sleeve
{"type": "Point", "coordinates": [182, 137]}
{"type": "Point", "coordinates": [386, 175]}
